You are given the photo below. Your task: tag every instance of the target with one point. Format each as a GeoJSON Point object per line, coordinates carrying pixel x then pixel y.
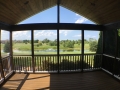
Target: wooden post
{"type": "Point", "coordinates": [32, 49]}
{"type": "Point", "coordinates": [58, 21]}
{"type": "Point", "coordinates": [11, 52]}
{"type": "Point", "coordinates": [116, 52]}
{"type": "Point", "coordinates": [82, 49]}
{"type": "Point", "coordinates": [2, 72]}
{"type": "Point", "coordinates": [103, 45]}
{"type": "Point", "coordinates": [116, 48]}
{"type": "Point", "coordinates": [0, 46]}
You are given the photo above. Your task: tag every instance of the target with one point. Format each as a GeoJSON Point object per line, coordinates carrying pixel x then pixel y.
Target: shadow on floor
{"type": "Point", "coordinates": [97, 80]}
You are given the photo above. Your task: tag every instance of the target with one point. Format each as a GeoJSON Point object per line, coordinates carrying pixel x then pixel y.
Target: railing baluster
{"type": "Point", "coordinates": [53, 63]}
{"type": "Point", "coordinates": [59, 62]}
{"type": "Point", "coordinates": [73, 63]}
{"type": "Point", "coordinates": [49, 62]}
{"type": "Point", "coordinates": [68, 63]}
{"type": "Point", "coordinates": [28, 65]}
{"type": "Point", "coordinates": [14, 63]}
{"type": "Point", "coordinates": [38, 63]}
{"type": "Point", "coordinates": [17, 66]}
{"type": "Point", "coordinates": [31, 64]}
{"type": "Point", "coordinates": [78, 62]}
{"type": "Point", "coordinates": [92, 61]}
{"type": "Point", "coordinates": [23, 61]}
{"type": "Point", "coordinates": [25, 64]}
{"type": "Point", "coordinates": [95, 61]}
{"type": "Point", "coordinates": [87, 62]}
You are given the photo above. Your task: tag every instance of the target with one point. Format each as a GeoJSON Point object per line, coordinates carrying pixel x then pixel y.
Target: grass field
{"type": "Point", "coordinates": [25, 49]}
{"type": "Point", "coordinates": [23, 46]}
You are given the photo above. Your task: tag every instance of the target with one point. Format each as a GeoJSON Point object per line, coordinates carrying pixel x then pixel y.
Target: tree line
{"type": "Point", "coordinates": [65, 43]}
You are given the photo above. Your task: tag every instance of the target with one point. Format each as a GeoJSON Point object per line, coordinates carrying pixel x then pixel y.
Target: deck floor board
{"type": "Point", "coordinates": [97, 80]}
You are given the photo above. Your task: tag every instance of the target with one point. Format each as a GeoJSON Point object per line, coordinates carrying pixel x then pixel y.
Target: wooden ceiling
{"type": "Point", "coordinates": [15, 11]}
{"type": "Point", "coordinates": [99, 11]}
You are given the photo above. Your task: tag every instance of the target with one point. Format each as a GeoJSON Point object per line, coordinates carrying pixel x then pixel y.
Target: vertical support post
{"type": "Point", "coordinates": [117, 44]}
{"type": "Point", "coordinates": [82, 50]}
{"type": "Point", "coordinates": [2, 72]}
{"type": "Point", "coordinates": [103, 45]}
{"type": "Point", "coordinates": [11, 52]}
{"type": "Point", "coordinates": [58, 12]}
{"type": "Point", "coordinates": [116, 53]}
{"type": "Point", "coordinates": [58, 21]}
{"type": "Point", "coordinates": [0, 46]}
{"type": "Point", "coordinates": [116, 48]}
{"type": "Point", "coordinates": [102, 34]}
{"type": "Point", "coordinates": [32, 50]}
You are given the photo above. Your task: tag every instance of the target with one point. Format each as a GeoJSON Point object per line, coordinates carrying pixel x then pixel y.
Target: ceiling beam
{"type": "Point", "coordinates": [53, 26]}
{"type": "Point", "coordinates": [4, 26]}
{"type": "Point", "coordinates": [111, 26]}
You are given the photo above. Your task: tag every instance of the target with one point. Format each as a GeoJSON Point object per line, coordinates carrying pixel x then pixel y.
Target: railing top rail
{"type": "Point", "coordinates": [22, 55]}
{"type": "Point", "coordinates": [109, 56]}
{"type": "Point", "coordinates": [118, 58]}
{"type": "Point", "coordinates": [4, 58]}
{"type": "Point", "coordinates": [60, 54]}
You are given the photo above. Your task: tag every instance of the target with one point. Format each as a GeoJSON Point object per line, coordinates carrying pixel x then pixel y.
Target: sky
{"type": "Point", "coordinates": [50, 16]}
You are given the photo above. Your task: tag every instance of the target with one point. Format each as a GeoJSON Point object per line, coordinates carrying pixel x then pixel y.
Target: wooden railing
{"type": "Point", "coordinates": [22, 63]}
{"type": "Point", "coordinates": [66, 63]}
{"type": "Point", "coordinates": [92, 61]}
{"type": "Point", "coordinates": [5, 67]}
{"type": "Point", "coordinates": [111, 64]}
{"type": "Point", "coordinates": [46, 63]}
{"type": "Point", "coordinates": [50, 63]}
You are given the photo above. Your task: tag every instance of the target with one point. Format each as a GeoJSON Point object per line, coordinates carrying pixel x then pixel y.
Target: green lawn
{"type": "Point", "coordinates": [26, 48]}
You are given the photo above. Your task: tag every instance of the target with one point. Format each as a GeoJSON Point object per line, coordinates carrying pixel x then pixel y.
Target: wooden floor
{"type": "Point", "coordinates": [97, 80]}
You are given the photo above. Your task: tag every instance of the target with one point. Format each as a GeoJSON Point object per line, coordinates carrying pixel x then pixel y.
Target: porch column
{"type": "Point", "coordinates": [32, 50]}
{"type": "Point", "coordinates": [82, 49]}
{"type": "Point", "coordinates": [1, 67]}
{"type": "Point", "coordinates": [11, 51]}
{"type": "Point", "coordinates": [58, 21]}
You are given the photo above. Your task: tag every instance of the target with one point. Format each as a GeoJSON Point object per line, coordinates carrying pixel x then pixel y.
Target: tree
{"type": "Point", "coordinates": [25, 41]}
{"type": "Point", "coordinates": [45, 40]}
{"type": "Point", "coordinates": [51, 43]}
{"type": "Point", "coordinates": [93, 44]}
{"type": "Point", "coordinates": [36, 41]}
{"type": "Point", "coordinates": [100, 45]}
{"type": "Point", "coordinates": [7, 47]}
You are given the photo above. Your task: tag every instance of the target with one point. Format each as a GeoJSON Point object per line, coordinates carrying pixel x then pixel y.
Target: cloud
{"type": "Point", "coordinates": [5, 35]}
{"type": "Point", "coordinates": [81, 20]}
{"type": "Point", "coordinates": [93, 36]}
{"type": "Point", "coordinates": [45, 33]}
{"type": "Point", "coordinates": [21, 35]}
{"type": "Point", "coordinates": [38, 34]}
{"type": "Point", "coordinates": [77, 36]}
{"type": "Point", "coordinates": [65, 32]}
{"type": "Point", "coordinates": [88, 36]}
{"type": "Point", "coordinates": [77, 14]}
